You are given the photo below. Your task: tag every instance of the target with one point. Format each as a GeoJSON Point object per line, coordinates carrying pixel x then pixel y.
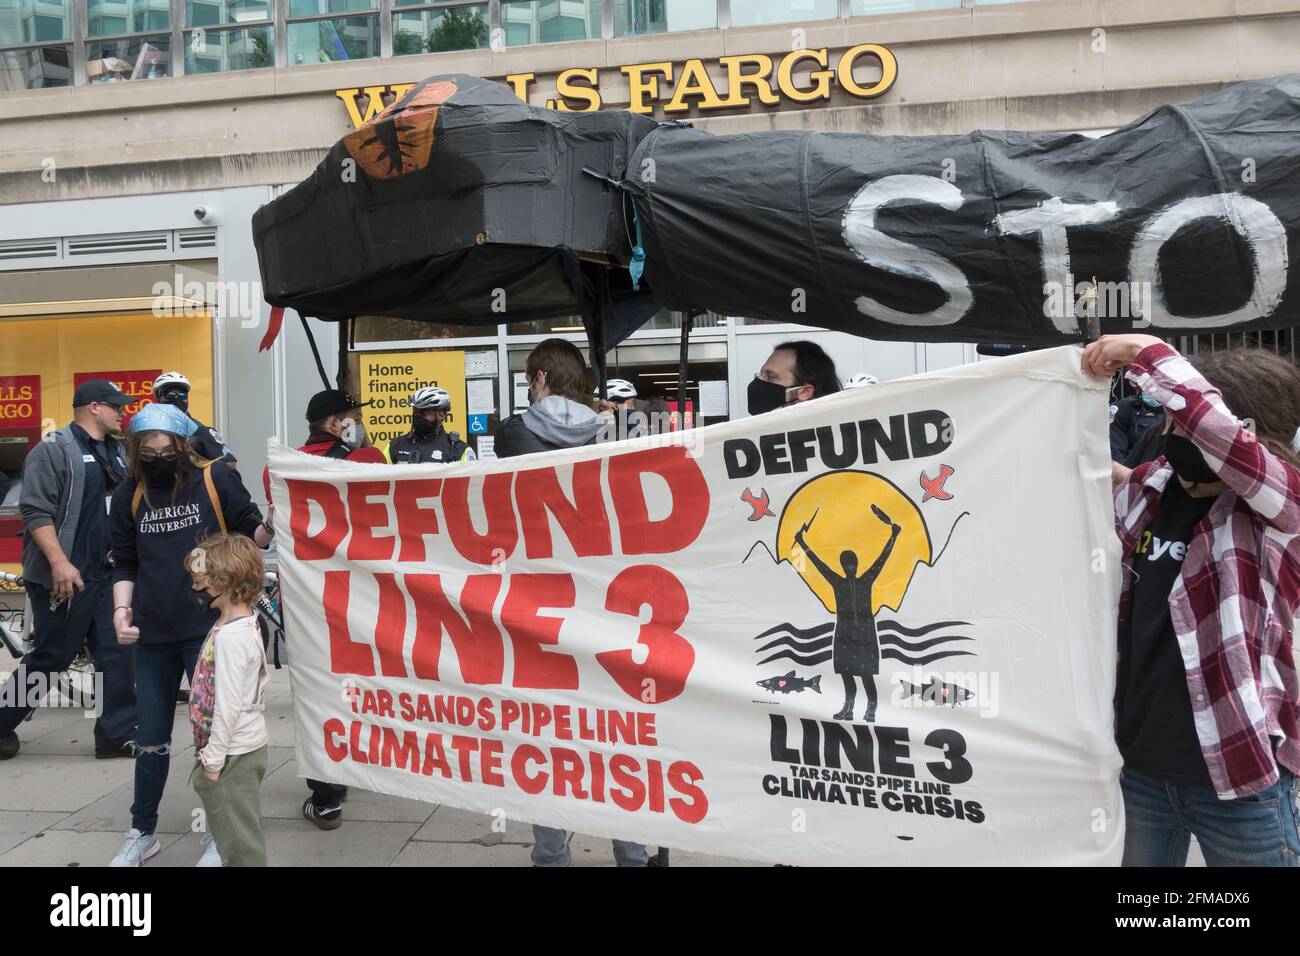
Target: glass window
{"type": "Point", "coordinates": [208, 13]}
{"type": "Point", "coordinates": [221, 51]}
{"type": "Point", "coordinates": [314, 8]}
{"type": "Point", "coordinates": [325, 41]}
{"type": "Point", "coordinates": [749, 13]}
{"type": "Point", "coordinates": [382, 328]}
{"type": "Point", "coordinates": [34, 21]}
{"type": "Point", "coordinates": [550, 21]}
{"type": "Point", "coordinates": [139, 58]}
{"type": "Point", "coordinates": [635, 17]}
{"type": "Point", "coordinates": [36, 69]}
{"type": "Point", "coordinates": [107, 17]}
{"type": "Point", "coordinates": [440, 29]}
{"type": "Point", "coordinates": [860, 8]}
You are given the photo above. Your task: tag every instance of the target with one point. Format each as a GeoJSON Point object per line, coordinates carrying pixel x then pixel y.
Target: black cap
{"type": "Point", "coordinates": [99, 390]}
{"type": "Point", "coordinates": [332, 401]}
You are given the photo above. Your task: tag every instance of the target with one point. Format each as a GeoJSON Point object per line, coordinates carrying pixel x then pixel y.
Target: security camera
{"type": "Point", "coordinates": [205, 214]}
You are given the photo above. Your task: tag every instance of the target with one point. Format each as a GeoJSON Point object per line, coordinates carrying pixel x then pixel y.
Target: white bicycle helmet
{"type": "Point", "coordinates": [170, 378]}
{"type": "Point", "coordinates": [618, 389]}
{"type": "Point", "coordinates": [862, 378]}
{"type": "Point", "coordinates": [431, 397]}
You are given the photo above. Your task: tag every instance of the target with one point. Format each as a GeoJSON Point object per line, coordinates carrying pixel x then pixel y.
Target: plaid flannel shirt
{"type": "Point", "coordinates": [1233, 604]}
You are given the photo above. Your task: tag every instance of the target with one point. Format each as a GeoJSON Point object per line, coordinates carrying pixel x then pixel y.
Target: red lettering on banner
{"type": "Point", "coordinates": [628, 792]}
{"type": "Point", "coordinates": [435, 758]}
{"type": "Point", "coordinates": [498, 542]}
{"type": "Point", "coordinates": [346, 655]}
{"type": "Point", "coordinates": [490, 762]}
{"type": "Point", "coordinates": [519, 769]}
{"type": "Point", "coordinates": [475, 636]}
{"type": "Point", "coordinates": [689, 495]}
{"type": "Point", "coordinates": [325, 542]}
{"type": "Point", "coordinates": [566, 773]}
{"type": "Point", "coordinates": [529, 630]}
{"type": "Point", "coordinates": [683, 777]}
{"type": "Point", "coordinates": [365, 516]}
{"type": "Point", "coordinates": [465, 748]}
{"type": "Point", "coordinates": [334, 728]}
{"type": "Point", "coordinates": [399, 755]}
{"type": "Point", "coordinates": [390, 626]}
{"type": "Point", "coordinates": [670, 656]}
{"type": "Point", "coordinates": [414, 522]}
{"type": "Point", "coordinates": [583, 520]}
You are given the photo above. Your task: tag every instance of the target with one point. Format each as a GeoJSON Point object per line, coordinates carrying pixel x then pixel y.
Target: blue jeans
{"type": "Point", "coordinates": [550, 848]}
{"type": "Point", "coordinates": [60, 634]}
{"type": "Point", "coordinates": [1161, 817]}
{"type": "Point", "coordinates": [158, 669]}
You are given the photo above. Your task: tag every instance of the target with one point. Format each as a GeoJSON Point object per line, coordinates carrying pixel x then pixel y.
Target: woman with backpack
{"type": "Point", "coordinates": [170, 501]}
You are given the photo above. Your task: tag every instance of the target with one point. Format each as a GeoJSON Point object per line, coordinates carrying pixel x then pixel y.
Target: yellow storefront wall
{"type": "Point", "coordinates": [58, 348]}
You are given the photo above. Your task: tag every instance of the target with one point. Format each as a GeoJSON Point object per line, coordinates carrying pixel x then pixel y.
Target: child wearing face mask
{"type": "Point", "coordinates": [1207, 703]}
{"type": "Point", "coordinates": [228, 698]}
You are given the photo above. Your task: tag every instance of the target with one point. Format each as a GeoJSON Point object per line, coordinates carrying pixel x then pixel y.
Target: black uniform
{"type": "Point", "coordinates": [411, 449]}
{"type": "Point", "coordinates": [1129, 421]}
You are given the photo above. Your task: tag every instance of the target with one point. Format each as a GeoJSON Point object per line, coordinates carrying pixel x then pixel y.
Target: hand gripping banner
{"type": "Point", "coordinates": [874, 628]}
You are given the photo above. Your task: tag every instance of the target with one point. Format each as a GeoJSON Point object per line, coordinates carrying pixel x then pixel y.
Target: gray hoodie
{"type": "Point", "coordinates": [554, 422]}
{"type": "Point", "coordinates": [561, 421]}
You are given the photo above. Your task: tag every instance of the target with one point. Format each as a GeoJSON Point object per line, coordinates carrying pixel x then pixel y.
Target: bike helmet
{"type": "Point", "coordinates": [619, 389]}
{"type": "Point", "coordinates": [862, 378]}
{"type": "Point", "coordinates": [170, 378]}
{"type": "Point", "coordinates": [162, 418]}
{"type": "Point", "coordinates": [431, 397]}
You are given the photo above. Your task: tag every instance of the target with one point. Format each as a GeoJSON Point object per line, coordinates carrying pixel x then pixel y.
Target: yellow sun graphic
{"type": "Point", "coordinates": [839, 507]}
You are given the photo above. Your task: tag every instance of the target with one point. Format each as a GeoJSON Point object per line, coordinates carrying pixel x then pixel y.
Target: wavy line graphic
{"type": "Point", "coordinates": [920, 645]}
{"type": "Point", "coordinates": [894, 626]}
{"type": "Point", "coordinates": [799, 634]}
{"type": "Point", "coordinates": [894, 655]}
{"type": "Point", "coordinates": [821, 658]}
{"type": "Point", "coordinates": [806, 647]}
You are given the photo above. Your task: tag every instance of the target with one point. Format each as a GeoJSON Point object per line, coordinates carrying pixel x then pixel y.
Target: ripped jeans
{"type": "Point", "coordinates": [158, 669]}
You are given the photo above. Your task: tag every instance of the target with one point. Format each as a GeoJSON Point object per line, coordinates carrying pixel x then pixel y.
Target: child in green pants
{"type": "Point", "coordinates": [227, 698]}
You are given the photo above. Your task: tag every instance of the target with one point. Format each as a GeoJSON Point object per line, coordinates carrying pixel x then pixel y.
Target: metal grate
{"type": "Point", "coordinates": [131, 243]}
{"type": "Point", "coordinates": [30, 249]}
{"type": "Point", "coordinates": [188, 239]}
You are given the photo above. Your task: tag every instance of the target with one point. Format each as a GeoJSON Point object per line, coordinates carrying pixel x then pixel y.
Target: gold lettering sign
{"type": "Point", "coordinates": [800, 76]}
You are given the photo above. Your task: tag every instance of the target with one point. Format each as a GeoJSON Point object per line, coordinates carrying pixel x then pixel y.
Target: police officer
{"type": "Point", "coordinates": [173, 388]}
{"type": "Point", "coordinates": [427, 441]}
{"type": "Point", "coordinates": [1129, 420]}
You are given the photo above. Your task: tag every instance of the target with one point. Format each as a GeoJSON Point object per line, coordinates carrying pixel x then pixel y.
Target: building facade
{"type": "Point", "coordinates": [137, 138]}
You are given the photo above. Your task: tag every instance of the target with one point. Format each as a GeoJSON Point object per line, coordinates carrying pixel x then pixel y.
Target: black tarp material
{"type": "Point", "coordinates": [459, 204]}
{"type": "Point", "coordinates": [462, 204]}
{"type": "Point", "coordinates": [1188, 219]}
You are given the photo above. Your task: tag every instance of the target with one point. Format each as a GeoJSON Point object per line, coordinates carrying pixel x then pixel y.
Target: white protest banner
{"type": "Point", "coordinates": [874, 628]}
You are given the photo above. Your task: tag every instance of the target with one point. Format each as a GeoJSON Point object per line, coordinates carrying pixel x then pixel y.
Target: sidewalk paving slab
{"type": "Point", "coordinates": [71, 848]}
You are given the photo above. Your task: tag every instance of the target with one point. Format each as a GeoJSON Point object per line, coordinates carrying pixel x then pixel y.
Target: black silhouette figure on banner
{"type": "Point", "coordinates": [855, 650]}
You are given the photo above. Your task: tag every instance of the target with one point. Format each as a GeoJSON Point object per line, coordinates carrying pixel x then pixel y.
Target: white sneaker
{"type": "Point", "coordinates": [136, 848]}
{"type": "Point", "coordinates": [210, 855]}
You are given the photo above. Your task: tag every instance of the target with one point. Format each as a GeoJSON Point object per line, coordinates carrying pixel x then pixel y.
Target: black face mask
{"type": "Point", "coordinates": [202, 600]}
{"type": "Point", "coordinates": [423, 427]}
{"type": "Point", "coordinates": [765, 396]}
{"type": "Point", "coordinates": [1188, 462]}
{"type": "Point", "coordinates": [159, 470]}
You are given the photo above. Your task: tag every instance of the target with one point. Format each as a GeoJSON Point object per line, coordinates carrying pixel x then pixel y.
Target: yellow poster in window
{"type": "Point", "coordinates": [389, 379]}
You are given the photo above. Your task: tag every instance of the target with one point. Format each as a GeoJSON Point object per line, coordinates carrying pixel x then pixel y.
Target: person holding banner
{"type": "Point", "coordinates": [1207, 698]}
{"type": "Point", "coordinates": [170, 500]}
{"type": "Point", "coordinates": [557, 418]}
{"type": "Point", "coordinates": [334, 431]}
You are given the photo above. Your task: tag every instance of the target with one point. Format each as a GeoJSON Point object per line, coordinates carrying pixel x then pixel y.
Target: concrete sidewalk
{"type": "Point", "coordinates": [59, 806]}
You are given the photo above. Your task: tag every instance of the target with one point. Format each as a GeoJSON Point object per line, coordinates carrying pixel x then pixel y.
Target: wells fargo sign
{"type": "Point", "coordinates": [677, 87]}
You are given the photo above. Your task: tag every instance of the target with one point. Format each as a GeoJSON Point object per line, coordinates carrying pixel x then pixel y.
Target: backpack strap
{"type": "Point", "coordinates": [212, 496]}
{"type": "Point", "coordinates": [135, 499]}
